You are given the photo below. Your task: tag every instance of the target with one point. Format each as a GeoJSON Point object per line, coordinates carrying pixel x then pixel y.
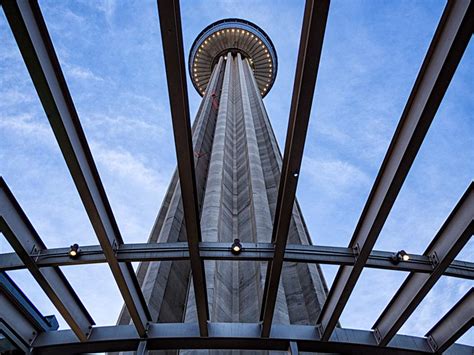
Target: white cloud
{"type": "Point", "coordinates": [81, 73]}
{"type": "Point", "coordinates": [125, 125]}
{"type": "Point", "coordinates": [25, 124]}
{"type": "Point", "coordinates": [15, 97]}
{"type": "Point", "coordinates": [333, 175]}
{"type": "Point", "coordinates": [108, 8]}
{"type": "Point", "coordinates": [122, 164]}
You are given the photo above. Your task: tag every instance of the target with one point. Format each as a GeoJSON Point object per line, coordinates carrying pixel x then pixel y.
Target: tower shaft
{"type": "Point", "coordinates": [238, 166]}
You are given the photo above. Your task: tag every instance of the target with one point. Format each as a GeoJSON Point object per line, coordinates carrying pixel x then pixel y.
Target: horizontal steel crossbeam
{"type": "Point", "coordinates": [315, 254]}
{"type": "Point", "coordinates": [21, 235]}
{"type": "Point", "coordinates": [444, 54]}
{"type": "Point", "coordinates": [31, 35]}
{"type": "Point", "coordinates": [232, 336]}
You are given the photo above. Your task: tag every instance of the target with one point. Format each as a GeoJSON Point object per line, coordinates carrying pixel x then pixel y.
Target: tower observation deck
{"type": "Point", "coordinates": [233, 65]}
{"type": "Point", "coordinates": [233, 36]}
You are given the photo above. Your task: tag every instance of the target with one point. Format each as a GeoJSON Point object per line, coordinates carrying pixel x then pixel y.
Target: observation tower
{"type": "Point", "coordinates": [233, 65]}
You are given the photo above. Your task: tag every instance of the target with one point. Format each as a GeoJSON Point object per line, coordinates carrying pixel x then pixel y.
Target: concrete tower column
{"type": "Point", "coordinates": [233, 65]}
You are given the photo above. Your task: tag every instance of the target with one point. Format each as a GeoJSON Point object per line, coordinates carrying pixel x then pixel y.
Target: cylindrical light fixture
{"type": "Point", "coordinates": [400, 255]}
{"type": "Point", "coordinates": [236, 247]}
{"type": "Point", "coordinates": [74, 251]}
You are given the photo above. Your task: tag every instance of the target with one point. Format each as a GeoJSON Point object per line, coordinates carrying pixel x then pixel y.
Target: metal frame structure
{"type": "Point", "coordinates": [445, 52]}
{"type": "Point", "coordinates": [20, 321]}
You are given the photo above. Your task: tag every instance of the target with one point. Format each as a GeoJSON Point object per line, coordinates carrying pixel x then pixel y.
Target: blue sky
{"type": "Point", "coordinates": [111, 55]}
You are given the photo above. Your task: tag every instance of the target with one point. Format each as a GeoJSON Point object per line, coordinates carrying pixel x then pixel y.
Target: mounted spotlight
{"type": "Point", "coordinates": [74, 251]}
{"type": "Point", "coordinates": [236, 247]}
{"type": "Point", "coordinates": [400, 256]}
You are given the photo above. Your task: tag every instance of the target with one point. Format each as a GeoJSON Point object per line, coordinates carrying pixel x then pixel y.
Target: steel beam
{"type": "Point", "coordinates": [311, 44]}
{"type": "Point", "coordinates": [444, 54]}
{"type": "Point", "coordinates": [455, 323]}
{"type": "Point", "coordinates": [93, 254]}
{"type": "Point", "coordinates": [172, 38]}
{"type": "Point", "coordinates": [244, 336]}
{"type": "Point", "coordinates": [448, 242]}
{"type": "Point", "coordinates": [293, 348]}
{"type": "Point", "coordinates": [19, 232]}
{"type": "Point", "coordinates": [9, 288]}
{"type": "Point", "coordinates": [314, 254]}
{"type": "Point", "coordinates": [7, 346]}
{"type": "Point", "coordinates": [142, 348]}
{"type": "Point", "coordinates": [20, 321]}
{"type": "Point", "coordinates": [15, 326]}
{"type": "Point", "coordinates": [31, 35]}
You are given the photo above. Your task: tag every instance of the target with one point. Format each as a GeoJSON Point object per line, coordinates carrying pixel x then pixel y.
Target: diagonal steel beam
{"type": "Point", "coordinates": [455, 323]}
{"type": "Point", "coordinates": [311, 44]}
{"type": "Point", "coordinates": [293, 348]}
{"type": "Point", "coordinates": [15, 325]}
{"type": "Point", "coordinates": [31, 35]}
{"type": "Point", "coordinates": [142, 348]}
{"type": "Point", "coordinates": [19, 232]}
{"type": "Point", "coordinates": [23, 304]}
{"type": "Point", "coordinates": [444, 54]}
{"type": "Point", "coordinates": [448, 242]}
{"type": "Point", "coordinates": [172, 37]}
{"type": "Point", "coordinates": [20, 320]}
